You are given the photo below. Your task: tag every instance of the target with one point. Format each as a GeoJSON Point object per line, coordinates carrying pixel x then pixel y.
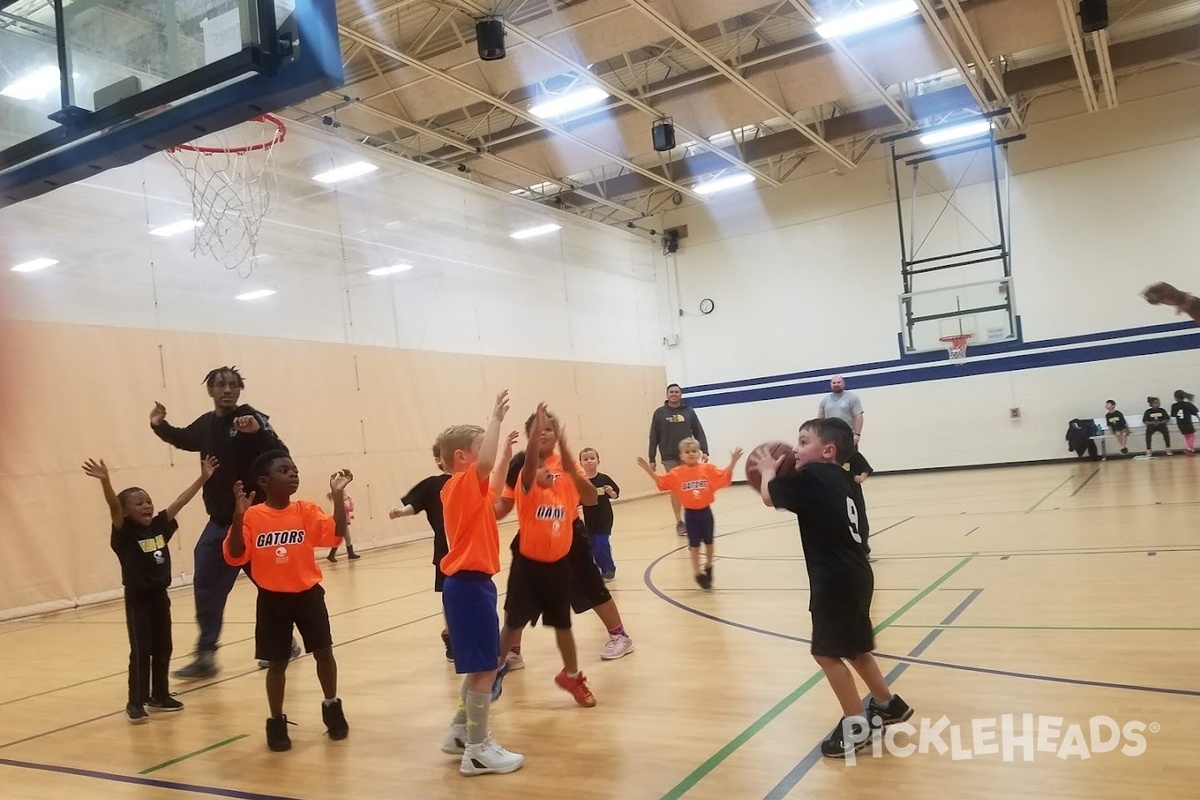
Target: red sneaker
{"type": "Point", "coordinates": [577, 687]}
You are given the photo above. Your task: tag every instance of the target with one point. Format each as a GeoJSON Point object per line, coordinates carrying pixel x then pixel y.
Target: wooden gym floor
{"type": "Point", "coordinates": [1061, 591]}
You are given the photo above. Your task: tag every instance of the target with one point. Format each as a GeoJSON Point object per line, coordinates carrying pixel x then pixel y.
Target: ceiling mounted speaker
{"type": "Point", "coordinates": [663, 134]}
{"type": "Point", "coordinates": [1093, 15]}
{"type": "Point", "coordinates": [489, 37]}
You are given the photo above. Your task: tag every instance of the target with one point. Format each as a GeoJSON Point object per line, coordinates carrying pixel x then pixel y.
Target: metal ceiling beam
{"type": "Point", "coordinates": [1078, 54]}
{"type": "Point", "coordinates": [812, 18]}
{"type": "Point", "coordinates": [983, 64]}
{"type": "Point", "coordinates": [516, 111]}
{"type": "Point", "coordinates": [733, 76]}
{"type": "Point", "coordinates": [621, 94]}
{"type": "Point", "coordinates": [1104, 62]}
{"type": "Point", "coordinates": [468, 149]}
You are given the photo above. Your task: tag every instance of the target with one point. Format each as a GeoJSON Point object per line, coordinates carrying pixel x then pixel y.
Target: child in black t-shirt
{"type": "Point", "coordinates": [427, 496]}
{"type": "Point", "coordinates": [1183, 411]}
{"type": "Point", "coordinates": [1156, 419]}
{"type": "Point", "coordinates": [599, 518]}
{"type": "Point", "coordinates": [1117, 424]}
{"type": "Point", "coordinates": [139, 538]}
{"type": "Point", "coordinates": [829, 506]}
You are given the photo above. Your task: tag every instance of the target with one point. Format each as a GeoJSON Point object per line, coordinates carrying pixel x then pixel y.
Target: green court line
{"type": "Point", "coordinates": [193, 754]}
{"type": "Point", "coordinates": [1038, 628]}
{"type": "Point", "coordinates": [702, 771]}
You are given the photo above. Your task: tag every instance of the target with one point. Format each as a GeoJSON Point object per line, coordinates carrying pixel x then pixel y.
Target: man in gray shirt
{"type": "Point", "coordinates": [843, 405]}
{"type": "Point", "coordinates": [673, 422]}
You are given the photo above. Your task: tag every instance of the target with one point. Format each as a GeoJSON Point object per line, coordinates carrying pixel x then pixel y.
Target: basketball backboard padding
{"type": "Point", "coordinates": [315, 67]}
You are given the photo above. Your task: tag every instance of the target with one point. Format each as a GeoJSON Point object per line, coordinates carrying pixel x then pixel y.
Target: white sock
{"type": "Point", "coordinates": [328, 701]}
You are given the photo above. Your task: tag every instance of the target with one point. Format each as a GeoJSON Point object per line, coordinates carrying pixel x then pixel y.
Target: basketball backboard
{"type": "Point", "coordinates": [984, 309]}
{"type": "Point", "coordinates": [87, 85]}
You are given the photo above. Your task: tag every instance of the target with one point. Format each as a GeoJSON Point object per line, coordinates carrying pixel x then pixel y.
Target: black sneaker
{"type": "Point", "coordinates": [894, 712]}
{"type": "Point", "coordinates": [277, 733]}
{"type": "Point", "coordinates": [836, 744]}
{"type": "Point", "coordinates": [335, 720]}
{"type": "Point", "coordinates": [449, 649]}
{"type": "Point", "coordinates": [610, 575]}
{"type": "Point", "coordinates": [167, 703]}
{"type": "Point", "coordinates": [705, 580]}
{"type": "Point", "coordinates": [136, 713]}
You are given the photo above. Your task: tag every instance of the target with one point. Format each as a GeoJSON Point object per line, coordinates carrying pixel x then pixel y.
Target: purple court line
{"type": "Point", "coordinates": [214, 791]}
{"type": "Point", "coordinates": [1032, 676]}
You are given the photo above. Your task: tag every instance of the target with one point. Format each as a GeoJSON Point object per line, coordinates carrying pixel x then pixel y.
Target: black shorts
{"type": "Point", "coordinates": [279, 611]}
{"type": "Point", "coordinates": [538, 589]}
{"type": "Point", "coordinates": [841, 632]}
{"type": "Point", "coordinates": [587, 584]}
{"type": "Point", "coordinates": [439, 578]}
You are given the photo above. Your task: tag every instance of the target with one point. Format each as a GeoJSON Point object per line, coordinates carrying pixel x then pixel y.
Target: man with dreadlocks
{"type": "Point", "coordinates": [235, 435]}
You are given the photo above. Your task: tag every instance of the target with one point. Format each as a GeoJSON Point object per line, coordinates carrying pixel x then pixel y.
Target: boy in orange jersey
{"type": "Point", "coordinates": [469, 595]}
{"type": "Point", "coordinates": [277, 538]}
{"type": "Point", "coordinates": [695, 484]}
{"type": "Point", "coordinates": [539, 582]}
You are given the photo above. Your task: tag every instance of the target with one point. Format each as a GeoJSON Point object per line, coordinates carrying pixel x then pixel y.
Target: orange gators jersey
{"type": "Point", "coordinates": [695, 486]}
{"type": "Point", "coordinates": [545, 517]}
{"type": "Point", "coordinates": [280, 544]}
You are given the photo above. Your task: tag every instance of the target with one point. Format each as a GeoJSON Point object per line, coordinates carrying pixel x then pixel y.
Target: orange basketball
{"type": "Point", "coordinates": [777, 449]}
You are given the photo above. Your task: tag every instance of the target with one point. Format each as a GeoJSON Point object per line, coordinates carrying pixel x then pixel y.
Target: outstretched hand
{"type": "Point", "coordinates": [510, 442]}
{"type": "Point", "coordinates": [737, 454]}
{"type": "Point", "coordinates": [95, 469]}
{"type": "Point", "coordinates": [1163, 294]}
{"type": "Point", "coordinates": [158, 413]}
{"type": "Point", "coordinates": [208, 466]}
{"type": "Point", "coordinates": [646, 465]}
{"type": "Point", "coordinates": [241, 500]}
{"type": "Point", "coordinates": [339, 480]}
{"type": "Point", "coordinates": [500, 410]}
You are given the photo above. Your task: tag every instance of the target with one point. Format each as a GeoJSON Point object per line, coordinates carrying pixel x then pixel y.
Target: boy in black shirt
{"type": "Point", "coordinates": [427, 496]}
{"type": "Point", "coordinates": [599, 517]}
{"type": "Point", "coordinates": [139, 538]}
{"type": "Point", "coordinates": [1117, 424]}
{"type": "Point", "coordinates": [1156, 420]}
{"type": "Point", "coordinates": [829, 506]}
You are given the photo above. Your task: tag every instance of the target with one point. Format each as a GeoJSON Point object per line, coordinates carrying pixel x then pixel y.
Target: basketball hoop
{"type": "Point", "coordinates": [231, 184]}
{"type": "Point", "coordinates": [956, 345]}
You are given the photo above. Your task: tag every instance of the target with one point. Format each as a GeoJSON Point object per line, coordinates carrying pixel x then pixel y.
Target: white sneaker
{"type": "Point", "coordinates": [480, 759]}
{"type": "Point", "coordinates": [515, 661]}
{"type": "Point", "coordinates": [617, 647]}
{"type": "Point", "coordinates": [455, 740]}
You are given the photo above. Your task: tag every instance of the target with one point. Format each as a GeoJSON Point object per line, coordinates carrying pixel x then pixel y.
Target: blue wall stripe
{"type": "Point", "coordinates": [925, 358]}
{"type": "Point", "coordinates": [1014, 363]}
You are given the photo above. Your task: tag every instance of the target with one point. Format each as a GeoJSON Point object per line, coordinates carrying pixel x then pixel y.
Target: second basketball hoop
{"type": "Point", "coordinates": [956, 346]}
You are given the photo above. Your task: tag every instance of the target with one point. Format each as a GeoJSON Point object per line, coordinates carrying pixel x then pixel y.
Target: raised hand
{"type": "Point", "coordinates": [95, 469]}
{"type": "Point", "coordinates": [500, 410]}
{"type": "Point", "coordinates": [395, 513]}
{"type": "Point", "coordinates": [510, 442]}
{"type": "Point", "coordinates": [737, 454]}
{"type": "Point", "coordinates": [644, 464]}
{"type": "Point", "coordinates": [158, 413]}
{"type": "Point", "coordinates": [339, 480]}
{"type": "Point", "coordinates": [1163, 294]}
{"type": "Point", "coordinates": [247, 424]}
{"type": "Point", "coordinates": [767, 463]}
{"type": "Point", "coordinates": [208, 466]}
{"type": "Point", "coordinates": [241, 500]}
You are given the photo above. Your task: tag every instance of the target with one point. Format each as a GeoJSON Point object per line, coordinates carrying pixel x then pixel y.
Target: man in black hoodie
{"type": "Point", "coordinates": [235, 434]}
{"type": "Point", "coordinates": [673, 422]}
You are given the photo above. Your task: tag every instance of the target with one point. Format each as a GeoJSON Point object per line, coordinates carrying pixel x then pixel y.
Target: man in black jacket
{"type": "Point", "coordinates": [673, 422]}
{"type": "Point", "coordinates": [235, 434]}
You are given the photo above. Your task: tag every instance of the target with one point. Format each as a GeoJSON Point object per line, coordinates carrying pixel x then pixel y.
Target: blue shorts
{"type": "Point", "coordinates": [469, 600]}
{"type": "Point", "coordinates": [700, 524]}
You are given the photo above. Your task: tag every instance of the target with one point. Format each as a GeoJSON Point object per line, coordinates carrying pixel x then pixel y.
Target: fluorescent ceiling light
{"type": "Point", "coordinates": [723, 183]}
{"type": "Point", "coordinates": [33, 85]}
{"type": "Point", "coordinates": [35, 265]}
{"type": "Point", "coordinates": [572, 101]}
{"type": "Point", "coordinates": [539, 230]}
{"type": "Point", "coordinates": [256, 294]}
{"type": "Point", "coordinates": [965, 131]}
{"type": "Point", "coordinates": [875, 16]}
{"type": "Point", "coordinates": [392, 270]}
{"type": "Point", "coordinates": [344, 173]}
{"type": "Point", "coordinates": [176, 227]}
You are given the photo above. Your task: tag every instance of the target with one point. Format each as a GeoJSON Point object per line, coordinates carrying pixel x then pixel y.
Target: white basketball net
{"type": "Point", "coordinates": [232, 189]}
{"type": "Point", "coordinates": [957, 347]}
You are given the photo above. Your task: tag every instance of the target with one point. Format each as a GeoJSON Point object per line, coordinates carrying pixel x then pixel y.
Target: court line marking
{"type": "Point", "coordinates": [1068, 479]}
{"type": "Point", "coordinates": [1003, 554]}
{"type": "Point", "coordinates": [1086, 482]}
{"type": "Point", "coordinates": [193, 754]}
{"type": "Point", "coordinates": [713, 761]}
{"type": "Point", "coordinates": [814, 756]}
{"type": "Point", "coordinates": [136, 780]}
{"type": "Point", "coordinates": [1043, 628]}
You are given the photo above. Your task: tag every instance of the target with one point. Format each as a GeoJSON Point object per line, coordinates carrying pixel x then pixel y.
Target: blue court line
{"type": "Point", "coordinates": [1032, 676]}
{"type": "Point", "coordinates": [814, 756]}
{"type": "Point", "coordinates": [212, 791]}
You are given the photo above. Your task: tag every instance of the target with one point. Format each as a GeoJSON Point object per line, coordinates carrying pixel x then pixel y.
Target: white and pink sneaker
{"type": "Point", "coordinates": [617, 647]}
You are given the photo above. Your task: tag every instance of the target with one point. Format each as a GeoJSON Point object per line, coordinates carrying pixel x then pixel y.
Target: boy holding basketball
{"type": "Point", "coordinates": [829, 506]}
{"type": "Point", "coordinates": [469, 595]}
{"type": "Point", "coordinates": [695, 484]}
